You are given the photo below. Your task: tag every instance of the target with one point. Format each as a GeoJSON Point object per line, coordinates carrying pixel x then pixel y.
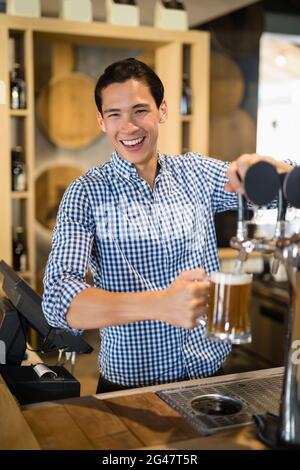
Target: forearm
{"type": "Point", "coordinates": [96, 308]}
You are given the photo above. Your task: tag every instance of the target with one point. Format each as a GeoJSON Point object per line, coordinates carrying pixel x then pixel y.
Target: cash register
{"type": "Point", "coordinates": [19, 309]}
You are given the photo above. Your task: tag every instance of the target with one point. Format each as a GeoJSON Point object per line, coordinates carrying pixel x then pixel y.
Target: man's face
{"type": "Point", "coordinates": [130, 118]}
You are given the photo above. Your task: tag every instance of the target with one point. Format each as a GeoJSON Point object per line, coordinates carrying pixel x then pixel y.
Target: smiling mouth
{"type": "Point", "coordinates": [133, 143]}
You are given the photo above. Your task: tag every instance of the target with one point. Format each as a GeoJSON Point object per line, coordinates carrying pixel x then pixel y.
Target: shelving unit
{"type": "Point", "coordinates": [18, 112]}
{"type": "Point", "coordinates": [169, 49]}
{"type": "Point", "coordinates": [187, 118]}
{"type": "Point", "coordinates": [20, 195]}
{"type": "Point", "coordinates": [17, 129]}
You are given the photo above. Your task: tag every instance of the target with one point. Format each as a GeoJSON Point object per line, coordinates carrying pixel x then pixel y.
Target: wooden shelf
{"type": "Point", "coordinates": [20, 194]}
{"type": "Point", "coordinates": [18, 112]}
{"type": "Point", "coordinates": [187, 118]}
{"type": "Point", "coordinates": [96, 32]}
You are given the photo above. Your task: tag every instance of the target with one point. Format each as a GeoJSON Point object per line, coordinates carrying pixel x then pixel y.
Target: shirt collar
{"type": "Point", "coordinates": [127, 170]}
{"type": "Point", "coordinates": [123, 167]}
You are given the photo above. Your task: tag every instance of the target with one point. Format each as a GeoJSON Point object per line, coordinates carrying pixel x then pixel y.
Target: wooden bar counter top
{"type": "Point", "coordinates": [131, 419]}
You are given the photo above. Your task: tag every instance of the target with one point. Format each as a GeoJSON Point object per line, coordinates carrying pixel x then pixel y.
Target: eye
{"type": "Point", "coordinates": [113, 115]}
{"type": "Point", "coordinates": [140, 111]}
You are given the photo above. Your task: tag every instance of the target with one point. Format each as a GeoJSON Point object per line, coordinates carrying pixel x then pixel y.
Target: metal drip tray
{"type": "Point", "coordinates": [215, 404]}
{"type": "Point", "coordinates": [211, 408]}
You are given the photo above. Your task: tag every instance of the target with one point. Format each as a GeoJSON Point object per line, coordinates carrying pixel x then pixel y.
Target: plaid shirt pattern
{"type": "Point", "coordinates": [137, 239]}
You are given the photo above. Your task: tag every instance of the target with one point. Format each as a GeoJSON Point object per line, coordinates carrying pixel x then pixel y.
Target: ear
{"type": "Point", "coordinates": [163, 112]}
{"type": "Point", "coordinates": [101, 121]}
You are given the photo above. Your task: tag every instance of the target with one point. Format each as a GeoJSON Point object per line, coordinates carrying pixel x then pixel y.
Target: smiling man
{"type": "Point", "coordinates": [130, 115]}
{"type": "Point", "coordinates": [144, 222]}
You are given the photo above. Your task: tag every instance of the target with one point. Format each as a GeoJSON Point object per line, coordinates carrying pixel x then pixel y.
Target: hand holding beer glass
{"type": "Point", "coordinates": [228, 307]}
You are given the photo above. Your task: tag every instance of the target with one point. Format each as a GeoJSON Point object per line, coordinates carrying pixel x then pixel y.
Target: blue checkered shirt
{"type": "Point", "coordinates": [135, 239]}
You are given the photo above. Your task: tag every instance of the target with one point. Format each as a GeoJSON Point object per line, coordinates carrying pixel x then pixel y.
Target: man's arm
{"type": "Point", "coordinates": [213, 176]}
{"type": "Point", "coordinates": [226, 178]}
{"type": "Point", "coordinates": [180, 304]}
{"type": "Point", "coordinates": [69, 302]}
{"type": "Point", "coordinates": [238, 168]}
{"type": "Point", "coordinates": [68, 261]}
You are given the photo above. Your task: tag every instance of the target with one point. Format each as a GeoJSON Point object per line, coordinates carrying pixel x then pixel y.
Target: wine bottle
{"type": "Point", "coordinates": [18, 169]}
{"type": "Point", "coordinates": [17, 89]}
{"type": "Point", "coordinates": [19, 250]}
{"type": "Point", "coordinates": [173, 4]}
{"type": "Point", "coordinates": [125, 2]}
{"type": "Point", "coordinates": [186, 97]}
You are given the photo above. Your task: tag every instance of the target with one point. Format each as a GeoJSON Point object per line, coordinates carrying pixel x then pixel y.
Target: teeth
{"type": "Point", "coordinates": [131, 143]}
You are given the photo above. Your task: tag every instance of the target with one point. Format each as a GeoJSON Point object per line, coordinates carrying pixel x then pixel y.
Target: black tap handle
{"type": "Point", "coordinates": [262, 183]}
{"type": "Point", "coordinates": [291, 187]}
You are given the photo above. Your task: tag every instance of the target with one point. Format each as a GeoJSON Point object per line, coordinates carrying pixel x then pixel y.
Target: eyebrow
{"type": "Point", "coordinates": [117, 110]}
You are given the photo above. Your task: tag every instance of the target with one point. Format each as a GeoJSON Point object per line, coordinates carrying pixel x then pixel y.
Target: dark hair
{"type": "Point", "coordinates": [123, 70]}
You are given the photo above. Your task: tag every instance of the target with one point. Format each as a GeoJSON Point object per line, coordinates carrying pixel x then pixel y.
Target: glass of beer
{"type": "Point", "coordinates": [228, 308]}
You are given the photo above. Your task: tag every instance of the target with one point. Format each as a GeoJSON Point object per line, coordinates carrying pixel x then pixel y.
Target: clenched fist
{"type": "Point", "coordinates": [185, 300]}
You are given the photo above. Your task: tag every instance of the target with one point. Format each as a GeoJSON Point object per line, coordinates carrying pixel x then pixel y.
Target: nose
{"type": "Point", "coordinates": [129, 126]}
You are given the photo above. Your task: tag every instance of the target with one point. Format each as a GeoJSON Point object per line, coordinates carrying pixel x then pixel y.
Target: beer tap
{"type": "Point", "coordinates": [261, 186]}
{"type": "Point", "coordinates": [242, 233]}
{"type": "Point", "coordinates": [282, 431]}
{"type": "Point", "coordinates": [280, 224]}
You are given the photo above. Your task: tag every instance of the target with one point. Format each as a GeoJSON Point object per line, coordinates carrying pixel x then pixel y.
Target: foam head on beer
{"type": "Point", "coordinates": [228, 314]}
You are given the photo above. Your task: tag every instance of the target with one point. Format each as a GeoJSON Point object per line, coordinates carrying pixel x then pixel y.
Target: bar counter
{"type": "Point", "coordinates": [130, 419]}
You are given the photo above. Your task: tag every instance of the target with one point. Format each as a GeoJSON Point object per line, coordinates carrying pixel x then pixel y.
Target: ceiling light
{"type": "Point", "coordinates": [280, 60]}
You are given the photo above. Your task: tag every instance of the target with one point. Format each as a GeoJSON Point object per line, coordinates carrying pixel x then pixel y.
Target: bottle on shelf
{"type": "Point", "coordinates": [125, 2]}
{"type": "Point", "coordinates": [19, 250]}
{"type": "Point", "coordinates": [173, 4]}
{"type": "Point", "coordinates": [17, 88]}
{"type": "Point", "coordinates": [19, 182]}
{"type": "Point", "coordinates": [186, 97]}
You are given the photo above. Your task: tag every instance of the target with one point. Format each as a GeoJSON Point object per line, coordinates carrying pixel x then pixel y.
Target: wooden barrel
{"type": "Point", "coordinates": [232, 135]}
{"type": "Point", "coordinates": [67, 112]}
{"type": "Point", "coordinates": [226, 85]}
{"type": "Point", "coordinates": [50, 186]}
{"type": "Point", "coordinates": [239, 32]}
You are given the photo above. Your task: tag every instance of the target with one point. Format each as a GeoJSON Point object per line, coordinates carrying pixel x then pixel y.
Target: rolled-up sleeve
{"type": "Point", "coordinates": [68, 261]}
{"type": "Point", "coordinates": [214, 172]}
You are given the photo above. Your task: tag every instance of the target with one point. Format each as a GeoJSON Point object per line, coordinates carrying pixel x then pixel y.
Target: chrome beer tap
{"type": "Point", "coordinates": [262, 184]}
{"type": "Point", "coordinates": [259, 193]}
{"type": "Point", "coordinates": [280, 228]}
{"type": "Point", "coordinates": [241, 234]}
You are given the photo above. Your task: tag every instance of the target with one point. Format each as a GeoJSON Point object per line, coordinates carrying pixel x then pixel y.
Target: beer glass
{"type": "Point", "coordinates": [228, 307]}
